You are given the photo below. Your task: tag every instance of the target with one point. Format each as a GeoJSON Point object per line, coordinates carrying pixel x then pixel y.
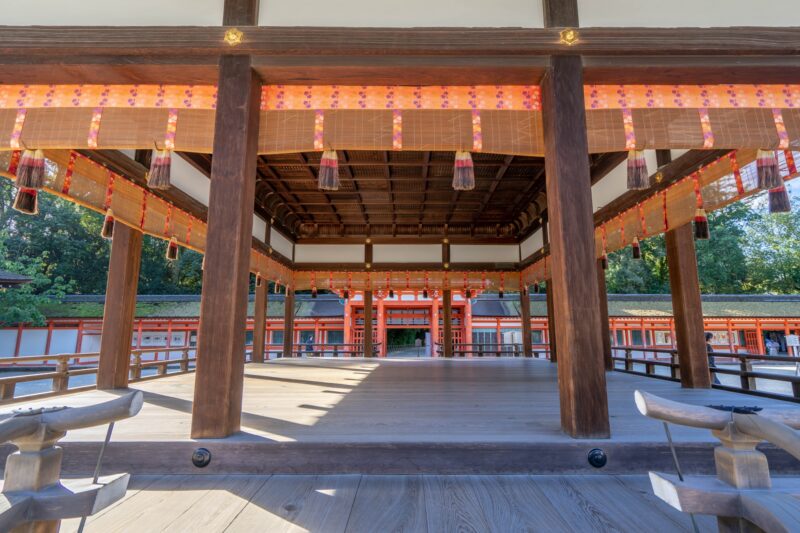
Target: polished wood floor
{"type": "Point", "coordinates": [354, 503]}
{"type": "Point", "coordinates": [399, 401]}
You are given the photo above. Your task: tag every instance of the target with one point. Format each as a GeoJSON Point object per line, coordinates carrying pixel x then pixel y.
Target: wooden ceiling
{"type": "Point", "coordinates": [404, 194]}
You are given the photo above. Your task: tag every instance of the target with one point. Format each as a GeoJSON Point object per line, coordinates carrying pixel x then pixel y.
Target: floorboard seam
{"type": "Point", "coordinates": [249, 501]}
{"type": "Point", "coordinates": [353, 504]}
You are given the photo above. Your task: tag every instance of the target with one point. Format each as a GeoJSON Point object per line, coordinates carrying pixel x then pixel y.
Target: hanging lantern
{"type": "Point", "coordinates": [701, 230]}
{"type": "Point", "coordinates": [779, 200]}
{"type": "Point", "coordinates": [107, 231]}
{"type": "Point", "coordinates": [635, 249]}
{"type": "Point", "coordinates": [769, 176]}
{"type": "Point", "coordinates": [329, 171]}
{"type": "Point", "coordinates": [172, 249]}
{"type": "Point", "coordinates": [463, 172]}
{"type": "Point", "coordinates": [536, 287]}
{"type": "Point", "coordinates": [638, 178]}
{"type": "Point", "coordinates": [26, 201]}
{"type": "Point", "coordinates": [604, 261]}
{"type": "Point", "coordinates": [160, 169]}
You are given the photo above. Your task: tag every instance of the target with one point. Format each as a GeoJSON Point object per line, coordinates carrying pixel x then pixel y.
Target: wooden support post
{"type": "Point", "coordinates": [288, 323]}
{"type": "Point", "coordinates": [368, 324]}
{"type": "Point", "coordinates": [525, 308]}
{"type": "Point", "coordinates": [120, 308]}
{"type": "Point", "coordinates": [447, 323]}
{"type": "Point", "coordinates": [551, 323]}
{"type": "Point", "coordinates": [216, 411]}
{"type": "Point", "coordinates": [576, 306]}
{"type": "Point", "coordinates": [260, 321]}
{"type": "Point", "coordinates": [687, 307]}
{"type": "Point", "coordinates": [604, 326]}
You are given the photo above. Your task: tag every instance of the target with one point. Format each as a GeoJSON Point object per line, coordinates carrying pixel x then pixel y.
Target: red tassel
{"type": "Point", "coordinates": [769, 176]}
{"type": "Point", "coordinates": [779, 200]}
{"type": "Point", "coordinates": [463, 172]}
{"type": "Point", "coordinates": [26, 201]}
{"type": "Point", "coordinates": [30, 172]}
{"type": "Point", "coordinates": [638, 178]}
{"type": "Point", "coordinates": [107, 231]}
{"type": "Point", "coordinates": [635, 249]}
{"type": "Point", "coordinates": [701, 230]}
{"type": "Point", "coordinates": [160, 168]}
{"type": "Point", "coordinates": [391, 293]}
{"type": "Point", "coordinates": [536, 287]}
{"type": "Point", "coordinates": [172, 249]}
{"type": "Point", "coordinates": [329, 171]}
{"type": "Point", "coordinates": [604, 262]}
{"type": "Point", "coordinates": [313, 292]}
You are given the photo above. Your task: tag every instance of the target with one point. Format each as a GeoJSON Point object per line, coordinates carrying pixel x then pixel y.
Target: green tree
{"type": "Point", "coordinates": [721, 262]}
{"type": "Point", "coordinates": [772, 248]}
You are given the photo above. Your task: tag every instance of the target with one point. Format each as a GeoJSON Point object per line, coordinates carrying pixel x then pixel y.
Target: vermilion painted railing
{"type": "Point", "coordinates": [322, 350]}
{"type": "Point", "coordinates": [486, 349]}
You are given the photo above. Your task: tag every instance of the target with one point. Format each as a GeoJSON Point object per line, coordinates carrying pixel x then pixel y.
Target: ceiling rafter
{"type": "Point", "coordinates": [315, 178]}
{"type": "Point", "coordinates": [493, 186]}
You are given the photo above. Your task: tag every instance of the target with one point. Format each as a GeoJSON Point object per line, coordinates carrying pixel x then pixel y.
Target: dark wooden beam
{"type": "Point", "coordinates": [425, 162]}
{"type": "Point", "coordinates": [581, 376]}
{"type": "Point", "coordinates": [560, 13]}
{"type": "Point", "coordinates": [217, 407]}
{"type": "Point", "coordinates": [288, 323]}
{"type": "Point", "coordinates": [525, 317]}
{"type": "Point", "coordinates": [346, 167]}
{"type": "Point", "coordinates": [387, 171]}
{"type": "Point", "coordinates": [240, 12]}
{"type": "Point", "coordinates": [604, 325]}
{"type": "Point", "coordinates": [198, 41]}
{"type": "Point", "coordinates": [368, 344]}
{"type": "Point", "coordinates": [447, 323]}
{"type": "Point", "coordinates": [493, 186]}
{"type": "Point", "coordinates": [260, 321]}
{"type": "Point", "coordinates": [303, 159]}
{"type": "Point", "coordinates": [119, 310]}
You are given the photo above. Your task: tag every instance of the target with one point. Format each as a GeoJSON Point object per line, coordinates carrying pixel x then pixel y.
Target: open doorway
{"type": "Point", "coordinates": [406, 342]}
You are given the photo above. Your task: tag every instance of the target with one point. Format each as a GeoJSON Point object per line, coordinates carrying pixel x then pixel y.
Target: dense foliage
{"type": "Point", "coordinates": [750, 251]}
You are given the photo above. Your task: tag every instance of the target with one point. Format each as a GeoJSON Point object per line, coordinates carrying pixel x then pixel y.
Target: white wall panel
{"type": "Point", "coordinates": [615, 183]}
{"type": "Point", "coordinates": [484, 253]}
{"type": "Point", "coordinates": [688, 13]}
{"type": "Point", "coordinates": [531, 245]}
{"type": "Point", "coordinates": [33, 342]}
{"type": "Point", "coordinates": [409, 13]}
{"type": "Point", "coordinates": [280, 244]}
{"type": "Point", "coordinates": [259, 228]}
{"type": "Point", "coordinates": [190, 180]}
{"type": "Point", "coordinates": [329, 253]}
{"type": "Point", "coordinates": [63, 341]}
{"type": "Point", "coordinates": [112, 13]}
{"type": "Point", "coordinates": [412, 253]}
{"type": "Point", "coordinates": [8, 341]}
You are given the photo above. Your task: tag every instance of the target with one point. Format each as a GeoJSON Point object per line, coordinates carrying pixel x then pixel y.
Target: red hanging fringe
{"type": "Point", "coordinates": [636, 249]}
{"type": "Point", "coordinates": [536, 287]}
{"type": "Point", "coordinates": [30, 172]}
{"type": "Point", "coordinates": [172, 249]}
{"type": "Point", "coordinates": [604, 261]}
{"type": "Point", "coordinates": [638, 178]}
{"type": "Point", "coordinates": [160, 169]}
{"type": "Point", "coordinates": [463, 172]}
{"type": "Point", "coordinates": [329, 171]}
{"type": "Point", "coordinates": [769, 176]}
{"type": "Point", "coordinates": [26, 201]}
{"type": "Point", "coordinates": [701, 229]}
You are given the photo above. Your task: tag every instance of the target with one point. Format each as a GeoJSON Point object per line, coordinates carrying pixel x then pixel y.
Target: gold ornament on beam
{"type": "Point", "coordinates": [569, 36]}
{"type": "Point", "coordinates": [233, 36]}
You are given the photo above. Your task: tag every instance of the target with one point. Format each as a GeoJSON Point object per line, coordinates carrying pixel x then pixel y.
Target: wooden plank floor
{"type": "Point", "coordinates": [354, 504]}
{"type": "Point", "coordinates": [399, 401]}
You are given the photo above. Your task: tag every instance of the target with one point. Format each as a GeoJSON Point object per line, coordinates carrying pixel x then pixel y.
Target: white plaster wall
{"type": "Point", "coordinates": [484, 253]}
{"type": "Point", "coordinates": [190, 180]}
{"type": "Point", "coordinates": [33, 342]}
{"type": "Point", "coordinates": [615, 183]}
{"type": "Point", "coordinates": [688, 13]}
{"type": "Point", "coordinates": [329, 253]}
{"type": "Point", "coordinates": [259, 228]}
{"type": "Point", "coordinates": [90, 344]}
{"type": "Point", "coordinates": [112, 12]}
{"type": "Point", "coordinates": [531, 245]}
{"type": "Point", "coordinates": [397, 253]}
{"type": "Point", "coordinates": [409, 13]}
{"type": "Point", "coordinates": [281, 244]}
{"type": "Point", "coordinates": [63, 341]}
{"type": "Point", "coordinates": [8, 341]}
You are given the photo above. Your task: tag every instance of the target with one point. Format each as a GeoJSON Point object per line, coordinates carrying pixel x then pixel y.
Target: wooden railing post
{"type": "Point", "coordinates": [61, 383]}
{"type": "Point", "coordinates": [7, 391]}
{"type": "Point", "coordinates": [628, 360]}
{"type": "Point", "coordinates": [675, 371]}
{"type": "Point", "coordinates": [136, 371]}
{"type": "Point", "coordinates": [185, 360]}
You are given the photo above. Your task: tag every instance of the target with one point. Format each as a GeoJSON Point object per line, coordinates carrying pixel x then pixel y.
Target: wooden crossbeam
{"type": "Point", "coordinates": [493, 186]}
{"type": "Point", "coordinates": [314, 177]}
{"type": "Point", "coordinates": [345, 159]}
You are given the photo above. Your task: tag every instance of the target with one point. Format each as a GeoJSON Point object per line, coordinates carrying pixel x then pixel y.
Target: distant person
{"type": "Point", "coordinates": [712, 364]}
{"type": "Point", "coordinates": [309, 345]}
{"type": "Point", "coordinates": [772, 345]}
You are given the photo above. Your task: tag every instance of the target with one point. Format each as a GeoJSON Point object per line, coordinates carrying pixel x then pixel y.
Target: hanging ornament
{"type": "Point", "coordinates": [604, 257]}
{"type": "Point", "coordinates": [107, 231]}
{"type": "Point", "coordinates": [779, 200]}
{"type": "Point", "coordinates": [468, 294]}
{"type": "Point", "coordinates": [635, 249]}
{"type": "Point", "coordinates": [463, 172]}
{"type": "Point", "coordinates": [259, 280]}
{"type": "Point", "coordinates": [638, 178]}
{"type": "Point", "coordinates": [26, 201]}
{"type": "Point", "coordinates": [346, 294]}
{"type": "Point", "coordinates": [172, 249]}
{"type": "Point", "coordinates": [769, 176]}
{"type": "Point", "coordinates": [701, 230]}
{"type": "Point", "coordinates": [160, 168]}
{"type": "Point", "coordinates": [536, 287]}
{"type": "Point", "coordinates": [391, 293]}
{"type": "Point", "coordinates": [329, 171]}
{"type": "Point", "coordinates": [313, 292]}
{"type": "Point", "coordinates": [424, 294]}
{"type": "Point", "coordinates": [501, 294]}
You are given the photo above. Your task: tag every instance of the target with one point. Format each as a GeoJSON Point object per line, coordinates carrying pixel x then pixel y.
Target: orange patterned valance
{"type": "Point", "coordinates": [691, 96]}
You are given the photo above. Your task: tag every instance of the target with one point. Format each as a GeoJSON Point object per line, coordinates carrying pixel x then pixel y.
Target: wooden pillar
{"type": "Point", "coordinates": [576, 306]}
{"type": "Point", "coordinates": [447, 323]}
{"type": "Point", "coordinates": [368, 324]}
{"type": "Point", "coordinates": [120, 308]}
{"type": "Point", "coordinates": [260, 321]}
{"type": "Point", "coordinates": [551, 323]}
{"type": "Point", "coordinates": [604, 326]}
{"type": "Point", "coordinates": [288, 323]}
{"type": "Point", "coordinates": [525, 312]}
{"type": "Point", "coordinates": [216, 411]}
{"type": "Point", "coordinates": [687, 307]}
